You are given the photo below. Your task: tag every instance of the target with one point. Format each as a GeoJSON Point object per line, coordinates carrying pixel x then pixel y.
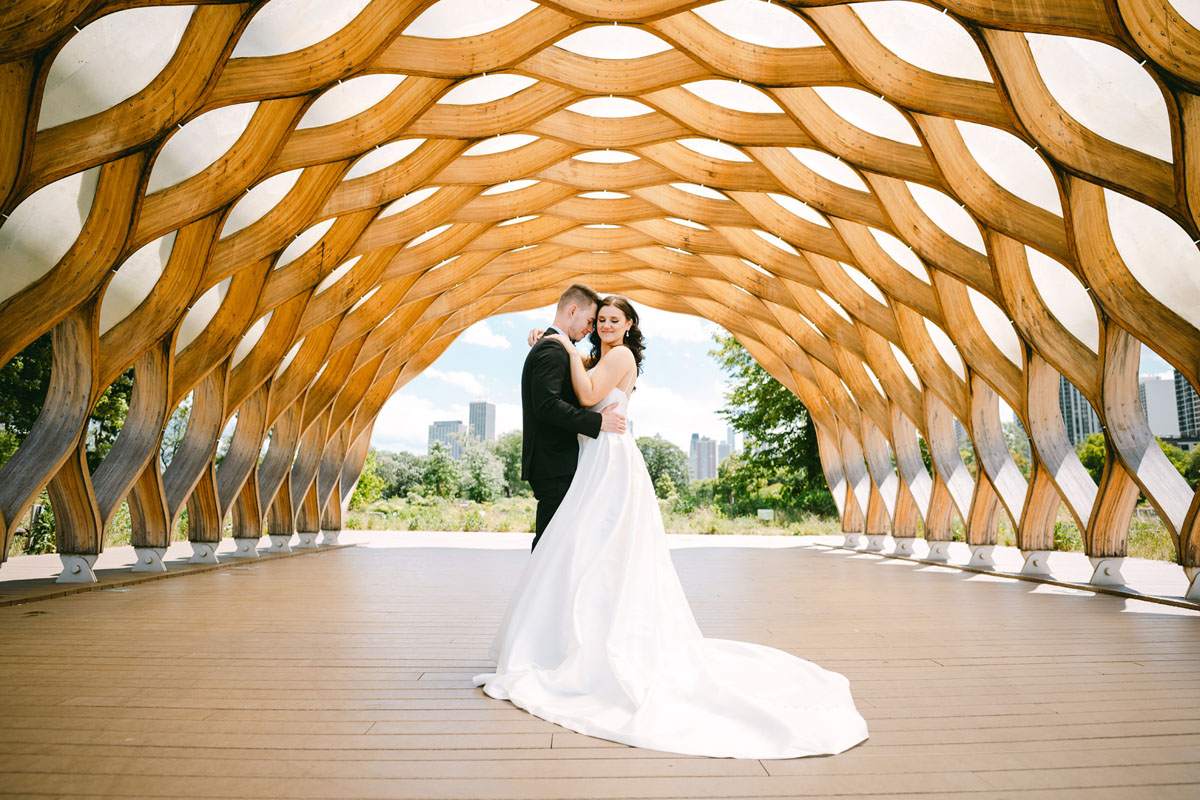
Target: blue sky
{"type": "Point", "coordinates": [679, 394]}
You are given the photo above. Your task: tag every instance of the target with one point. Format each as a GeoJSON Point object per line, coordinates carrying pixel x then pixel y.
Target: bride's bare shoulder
{"type": "Point", "coordinates": [619, 354]}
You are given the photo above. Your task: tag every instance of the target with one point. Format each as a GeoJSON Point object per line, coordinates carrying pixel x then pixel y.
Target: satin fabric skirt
{"type": "Point", "coordinates": [599, 638]}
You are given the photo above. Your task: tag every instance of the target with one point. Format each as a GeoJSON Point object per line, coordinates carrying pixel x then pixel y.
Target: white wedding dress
{"type": "Point", "coordinates": [599, 638]}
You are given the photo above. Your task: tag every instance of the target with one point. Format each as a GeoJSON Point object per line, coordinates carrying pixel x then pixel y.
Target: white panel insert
{"type": "Point", "coordinates": [453, 19]}
{"type": "Point", "coordinates": [613, 41]}
{"type": "Point", "coordinates": [924, 37]}
{"type": "Point", "coordinates": [1012, 164]}
{"type": "Point", "coordinates": [285, 26]}
{"type": "Point", "coordinates": [40, 231]}
{"type": "Point", "coordinates": [198, 144]}
{"type": "Point", "coordinates": [134, 280]}
{"type": "Point", "coordinates": [1158, 252]}
{"type": "Point", "coordinates": [760, 23]}
{"type": "Point", "coordinates": [1065, 296]}
{"type": "Point", "coordinates": [1106, 90]}
{"type": "Point", "coordinates": [348, 99]}
{"type": "Point", "coordinates": [110, 60]}
{"type": "Point", "coordinates": [258, 202]}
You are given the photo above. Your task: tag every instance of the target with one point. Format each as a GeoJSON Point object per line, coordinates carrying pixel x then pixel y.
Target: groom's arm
{"type": "Point", "coordinates": [549, 373]}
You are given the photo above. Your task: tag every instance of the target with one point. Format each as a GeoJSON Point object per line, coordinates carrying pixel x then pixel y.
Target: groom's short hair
{"type": "Point", "coordinates": [579, 295]}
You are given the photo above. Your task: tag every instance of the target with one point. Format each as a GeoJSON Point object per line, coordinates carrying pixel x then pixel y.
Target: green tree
{"type": "Point", "coordinates": [370, 486]}
{"type": "Point", "coordinates": [441, 476]}
{"type": "Point", "coordinates": [925, 454]}
{"type": "Point", "coordinates": [1191, 470]}
{"type": "Point", "coordinates": [664, 458]}
{"type": "Point", "coordinates": [739, 480]}
{"type": "Point", "coordinates": [174, 430]}
{"type": "Point", "coordinates": [400, 472]}
{"type": "Point", "coordinates": [665, 486]}
{"type": "Point", "coordinates": [508, 448]}
{"type": "Point", "coordinates": [40, 538]}
{"type": "Point", "coordinates": [1091, 452]}
{"type": "Point", "coordinates": [107, 417]}
{"type": "Point", "coordinates": [24, 382]}
{"type": "Point", "coordinates": [1018, 445]}
{"type": "Point", "coordinates": [1177, 457]}
{"type": "Point", "coordinates": [780, 437]}
{"type": "Point", "coordinates": [482, 473]}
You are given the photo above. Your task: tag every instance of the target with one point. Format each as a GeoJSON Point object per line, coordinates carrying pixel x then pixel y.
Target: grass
{"type": "Point", "coordinates": [1148, 537]}
{"type": "Point", "coordinates": [438, 514]}
{"type": "Point", "coordinates": [517, 514]}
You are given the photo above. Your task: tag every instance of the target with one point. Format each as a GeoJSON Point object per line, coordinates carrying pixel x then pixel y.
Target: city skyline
{"type": "Point", "coordinates": [680, 392]}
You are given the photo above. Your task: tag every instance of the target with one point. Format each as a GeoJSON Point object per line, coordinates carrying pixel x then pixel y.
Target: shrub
{"type": "Point", "coordinates": [1066, 536]}
{"type": "Point", "coordinates": [40, 536]}
{"type": "Point", "coordinates": [473, 520]}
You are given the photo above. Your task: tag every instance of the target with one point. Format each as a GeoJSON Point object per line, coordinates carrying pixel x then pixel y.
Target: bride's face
{"type": "Point", "coordinates": [611, 325]}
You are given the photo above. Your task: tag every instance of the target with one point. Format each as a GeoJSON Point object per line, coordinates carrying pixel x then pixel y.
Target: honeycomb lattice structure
{"type": "Point", "coordinates": [909, 213]}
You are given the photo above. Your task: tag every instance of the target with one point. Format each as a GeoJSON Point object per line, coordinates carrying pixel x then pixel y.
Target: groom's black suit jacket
{"type": "Point", "coordinates": [552, 416]}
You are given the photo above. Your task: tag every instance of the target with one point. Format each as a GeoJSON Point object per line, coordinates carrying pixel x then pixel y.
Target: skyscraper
{"type": "Point", "coordinates": [1187, 404]}
{"type": "Point", "coordinates": [449, 433]}
{"type": "Point", "coordinates": [731, 439]}
{"type": "Point", "coordinates": [702, 460]}
{"type": "Point", "coordinates": [1077, 413]}
{"type": "Point", "coordinates": [1159, 406]}
{"type": "Point", "coordinates": [482, 417]}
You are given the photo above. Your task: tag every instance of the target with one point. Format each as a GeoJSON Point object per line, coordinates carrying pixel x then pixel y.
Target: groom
{"type": "Point", "coordinates": [552, 416]}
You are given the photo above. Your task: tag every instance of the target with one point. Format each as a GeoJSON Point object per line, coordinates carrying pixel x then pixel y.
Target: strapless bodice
{"type": "Point", "coordinates": [615, 395]}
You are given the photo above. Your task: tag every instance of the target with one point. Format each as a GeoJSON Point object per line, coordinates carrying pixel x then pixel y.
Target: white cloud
{"type": "Point", "coordinates": [659, 409]}
{"type": "Point", "coordinates": [482, 334]}
{"type": "Point", "coordinates": [508, 418]}
{"type": "Point", "coordinates": [403, 422]}
{"type": "Point", "coordinates": [668, 327]}
{"type": "Point", "coordinates": [463, 380]}
{"type": "Point", "coordinates": [544, 315]}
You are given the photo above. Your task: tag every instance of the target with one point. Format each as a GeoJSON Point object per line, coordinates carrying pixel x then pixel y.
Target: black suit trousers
{"type": "Point", "coordinates": [549, 494]}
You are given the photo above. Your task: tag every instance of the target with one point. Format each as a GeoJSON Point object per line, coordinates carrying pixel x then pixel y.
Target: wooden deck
{"type": "Point", "coordinates": [346, 674]}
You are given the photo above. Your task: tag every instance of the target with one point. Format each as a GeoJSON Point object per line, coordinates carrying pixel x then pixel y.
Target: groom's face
{"type": "Point", "coordinates": [580, 321]}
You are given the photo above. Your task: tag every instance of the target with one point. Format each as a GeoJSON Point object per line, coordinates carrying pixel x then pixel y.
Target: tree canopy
{"type": "Point", "coordinates": [779, 435]}
{"type": "Point", "coordinates": [664, 460]}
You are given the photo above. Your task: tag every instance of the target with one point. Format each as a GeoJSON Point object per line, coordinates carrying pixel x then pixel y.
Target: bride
{"type": "Point", "coordinates": [598, 636]}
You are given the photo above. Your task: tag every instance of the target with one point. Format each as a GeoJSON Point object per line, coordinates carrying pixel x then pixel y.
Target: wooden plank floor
{"type": "Point", "coordinates": [346, 674]}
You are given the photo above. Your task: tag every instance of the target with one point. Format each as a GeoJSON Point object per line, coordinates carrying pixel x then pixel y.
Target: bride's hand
{"type": "Point", "coordinates": [565, 342]}
{"type": "Point", "coordinates": [534, 335]}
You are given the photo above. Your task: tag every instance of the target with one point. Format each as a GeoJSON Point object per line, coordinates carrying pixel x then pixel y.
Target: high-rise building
{"type": "Point", "coordinates": [731, 439]}
{"type": "Point", "coordinates": [482, 417]}
{"type": "Point", "coordinates": [1077, 413]}
{"type": "Point", "coordinates": [449, 433]}
{"type": "Point", "coordinates": [1159, 406]}
{"type": "Point", "coordinates": [961, 436]}
{"type": "Point", "coordinates": [1187, 404]}
{"type": "Point", "coordinates": [702, 460]}
{"type": "Point", "coordinates": [724, 450]}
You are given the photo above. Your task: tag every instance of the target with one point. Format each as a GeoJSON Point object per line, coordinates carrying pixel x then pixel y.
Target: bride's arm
{"type": "Point", "coordinates": [591, 389]}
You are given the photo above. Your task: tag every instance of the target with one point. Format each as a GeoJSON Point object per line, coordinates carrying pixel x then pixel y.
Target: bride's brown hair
{"type": "Point", "coordinates": [633, 337]}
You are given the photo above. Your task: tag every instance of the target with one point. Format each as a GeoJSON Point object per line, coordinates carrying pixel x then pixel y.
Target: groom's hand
{"type": "Point", "coordinates": [611, 420]}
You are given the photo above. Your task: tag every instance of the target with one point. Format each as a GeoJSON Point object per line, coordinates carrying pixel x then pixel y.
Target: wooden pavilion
{"type": "Point", "coordinates": [912, 214]}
